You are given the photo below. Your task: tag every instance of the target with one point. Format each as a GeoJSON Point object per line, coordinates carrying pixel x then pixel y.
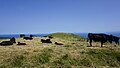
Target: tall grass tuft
{"type": "Point", "coordinates": [63, 62]}
{"type": "Point", "coordinates": [17, 61]}
{"type": "Point", "coordinates": [104, 57]}
{"type": "Point", "coordinates": [43, 57]}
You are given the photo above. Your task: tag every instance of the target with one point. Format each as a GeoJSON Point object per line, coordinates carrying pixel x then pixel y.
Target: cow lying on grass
{"type": "Point", "coordinates": [4, 43]}
{"type": "Point", "coordinates": [50, 37]}
{"type": "Point", "coordinates": [58, 43]}
{"type": "Point", "coordinates": [46, 41]}
{"type": "Point", "coordinates": [21, 43]}
{"type": "Point", "coordinates": [13, 40]}
{"type": "Point", "coordinates": [27, 38]}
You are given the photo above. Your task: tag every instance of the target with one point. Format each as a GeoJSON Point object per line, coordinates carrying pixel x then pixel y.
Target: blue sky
{"type": "Point", "coordinates": [48, 16]}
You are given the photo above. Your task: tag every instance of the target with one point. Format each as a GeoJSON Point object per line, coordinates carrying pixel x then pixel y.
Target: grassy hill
{"type": "Point", "coordinates": [65, 35]}
{"type": "Point", "coordinates": [46, 55]}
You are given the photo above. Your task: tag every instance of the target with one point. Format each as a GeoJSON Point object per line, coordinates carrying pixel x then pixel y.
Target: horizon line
{"type": "Point", "coordinates": [59, 32]}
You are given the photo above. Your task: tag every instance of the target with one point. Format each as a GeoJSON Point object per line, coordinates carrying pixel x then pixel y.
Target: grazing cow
{"type": "Point", "coordinates": [115, 39]}
{"type": "Point", "coordinates": [58, 43]}
{"type": "Point", "coordinates": [99, 38]}
{"type": "Point", "coordinates": [21, 43]}
{"type": "Point", "coordinates": [46, 41]}
{"type": "Point", "coordinates": [27, 38]}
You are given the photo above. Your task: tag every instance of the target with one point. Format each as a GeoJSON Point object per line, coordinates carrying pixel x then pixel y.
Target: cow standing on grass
{"type": "Point", "coordinates": [99, 38]}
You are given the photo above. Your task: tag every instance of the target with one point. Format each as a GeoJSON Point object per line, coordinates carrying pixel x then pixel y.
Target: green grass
{"type": "Point", "coordinates": [64, 57]}
{"type": "Point", "coordinates": [43, 55]}
{"type": "Point", "coordinates": [18, 61]}
{"type": "Point", "coordinates": [65, 35]}
{"type": "Point", "coordinates": [104, 57]}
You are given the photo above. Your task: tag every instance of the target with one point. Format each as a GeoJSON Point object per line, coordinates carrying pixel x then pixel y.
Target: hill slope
{"type": "Point", "coordinates": [65, 35]}
{"type": "Point", "coordinates": [49, 55]}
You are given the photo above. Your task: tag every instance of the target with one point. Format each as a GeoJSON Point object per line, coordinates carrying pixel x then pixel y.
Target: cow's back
{"type": "Point", "coordinates": [97, 37]}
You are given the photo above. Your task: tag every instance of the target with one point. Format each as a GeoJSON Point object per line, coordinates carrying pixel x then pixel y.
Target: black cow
{"type": "Point", "coordinates": [12, 40]}
{"type": "Point", "coordinates": [58, 43]}
{"type": "Point", "coordinates": [115, 39]}
{"type": "Point", "coordinates": [21, 43]}
{"type": "Point", "coordinates": [22, 35]}
{"type": "Point", "coordinates": [50, 37]}
{"type": "Point", "coordinates": [32, 35]}
{"type": "Point", "coordinates": [44, 36]}
{"type": "Point", "coordinates": [46, 41]}
{"type": "Point", "coordinates": [99, 38]}
{"type": "Point", "coordinates": [4, 43]}
{"type": "Point", "coordinates": [27, 38]}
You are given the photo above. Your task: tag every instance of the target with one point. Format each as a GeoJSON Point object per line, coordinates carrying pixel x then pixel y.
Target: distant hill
{"type": "Point", "coordinates": [65, 35]}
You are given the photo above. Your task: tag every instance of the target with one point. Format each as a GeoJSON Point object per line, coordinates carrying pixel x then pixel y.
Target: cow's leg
{"type": "Point", "coordinates": [87, 39]}
{"type": "Point", "coordinates": [91, 43]}
{"type": "Point", "coordinates": [101, 44]}
{"type": "Point", "coordinates": [117, 42]}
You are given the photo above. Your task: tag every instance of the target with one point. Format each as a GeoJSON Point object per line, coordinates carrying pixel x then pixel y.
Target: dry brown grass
{"type": "Point", "coordinates": [66, 56]}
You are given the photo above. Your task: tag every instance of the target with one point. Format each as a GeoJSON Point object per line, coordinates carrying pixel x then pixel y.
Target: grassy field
{"type": "Point", "coordinates": [49, 55]}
